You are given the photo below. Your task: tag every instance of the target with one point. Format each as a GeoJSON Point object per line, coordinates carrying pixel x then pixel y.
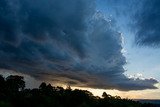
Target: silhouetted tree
{"type": "Point", "coordinates": [15, 82]}
{"type": "Point", "coordinates": [1, 79]}
{"type": "Point", "coordinates": [14, 95]}
{"type": "Point", "coordinates": [43, 86]}
{"type": "Point", "coordinates": [46, 89]}
{"type": "Point", "coordinates": [105, 95]}
{"type": "Point", "coordinates": [2, 83]}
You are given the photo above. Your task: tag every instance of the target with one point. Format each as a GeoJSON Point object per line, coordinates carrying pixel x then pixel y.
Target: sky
{"type": "Point", "coordinates": [98, 45]}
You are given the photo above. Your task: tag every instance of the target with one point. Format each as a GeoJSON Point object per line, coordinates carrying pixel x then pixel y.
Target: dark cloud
{"type": "Point", "coordinates": [117, 8]}
{"type": "Point", "coordinates": [147, 23]}
{"type": "Point", "coordinates": [66, 42]}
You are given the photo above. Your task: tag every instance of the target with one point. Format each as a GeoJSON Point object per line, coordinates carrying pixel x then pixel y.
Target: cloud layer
{"type": "Point", "coordinates": [66, 42]}
{"type": "Point", "coordinates": [147, 23]}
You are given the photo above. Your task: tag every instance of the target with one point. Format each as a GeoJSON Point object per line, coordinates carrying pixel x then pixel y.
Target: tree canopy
{"type": "Point", "coordinates": [14, 94]}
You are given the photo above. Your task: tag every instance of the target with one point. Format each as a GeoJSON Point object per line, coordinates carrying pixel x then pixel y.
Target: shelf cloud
{"type": "Point", "coordinates": [64, 41]}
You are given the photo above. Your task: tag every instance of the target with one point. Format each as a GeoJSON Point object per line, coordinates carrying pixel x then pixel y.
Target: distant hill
{"type": "Point", "coordinates": [157, 102]}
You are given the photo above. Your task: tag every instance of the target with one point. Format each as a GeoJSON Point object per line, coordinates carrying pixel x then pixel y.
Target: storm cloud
{"type": "Point", "coordinates": [147, 23]}
{"type": "Point", "coordinates": [64, 41]}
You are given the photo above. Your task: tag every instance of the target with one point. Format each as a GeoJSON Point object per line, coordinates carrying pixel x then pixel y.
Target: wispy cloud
{"type": "Point", "coordinates": [147, 25]}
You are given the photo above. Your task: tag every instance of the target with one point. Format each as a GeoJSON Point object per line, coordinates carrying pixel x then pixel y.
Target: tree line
{"type": "Point", "coordinates": [14, 94]}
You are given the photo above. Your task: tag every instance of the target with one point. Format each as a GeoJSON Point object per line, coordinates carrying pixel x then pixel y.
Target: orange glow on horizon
{"type": "Point", "coordinates": [140, 94]}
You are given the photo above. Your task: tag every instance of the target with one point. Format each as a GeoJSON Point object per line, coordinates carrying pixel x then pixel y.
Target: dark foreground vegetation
{"type": "Point", "coordinates": [14, 94]}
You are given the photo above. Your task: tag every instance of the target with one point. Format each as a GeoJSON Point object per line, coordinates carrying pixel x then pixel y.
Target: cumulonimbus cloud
{"type": "Point", "coordinates": [66, 42]}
